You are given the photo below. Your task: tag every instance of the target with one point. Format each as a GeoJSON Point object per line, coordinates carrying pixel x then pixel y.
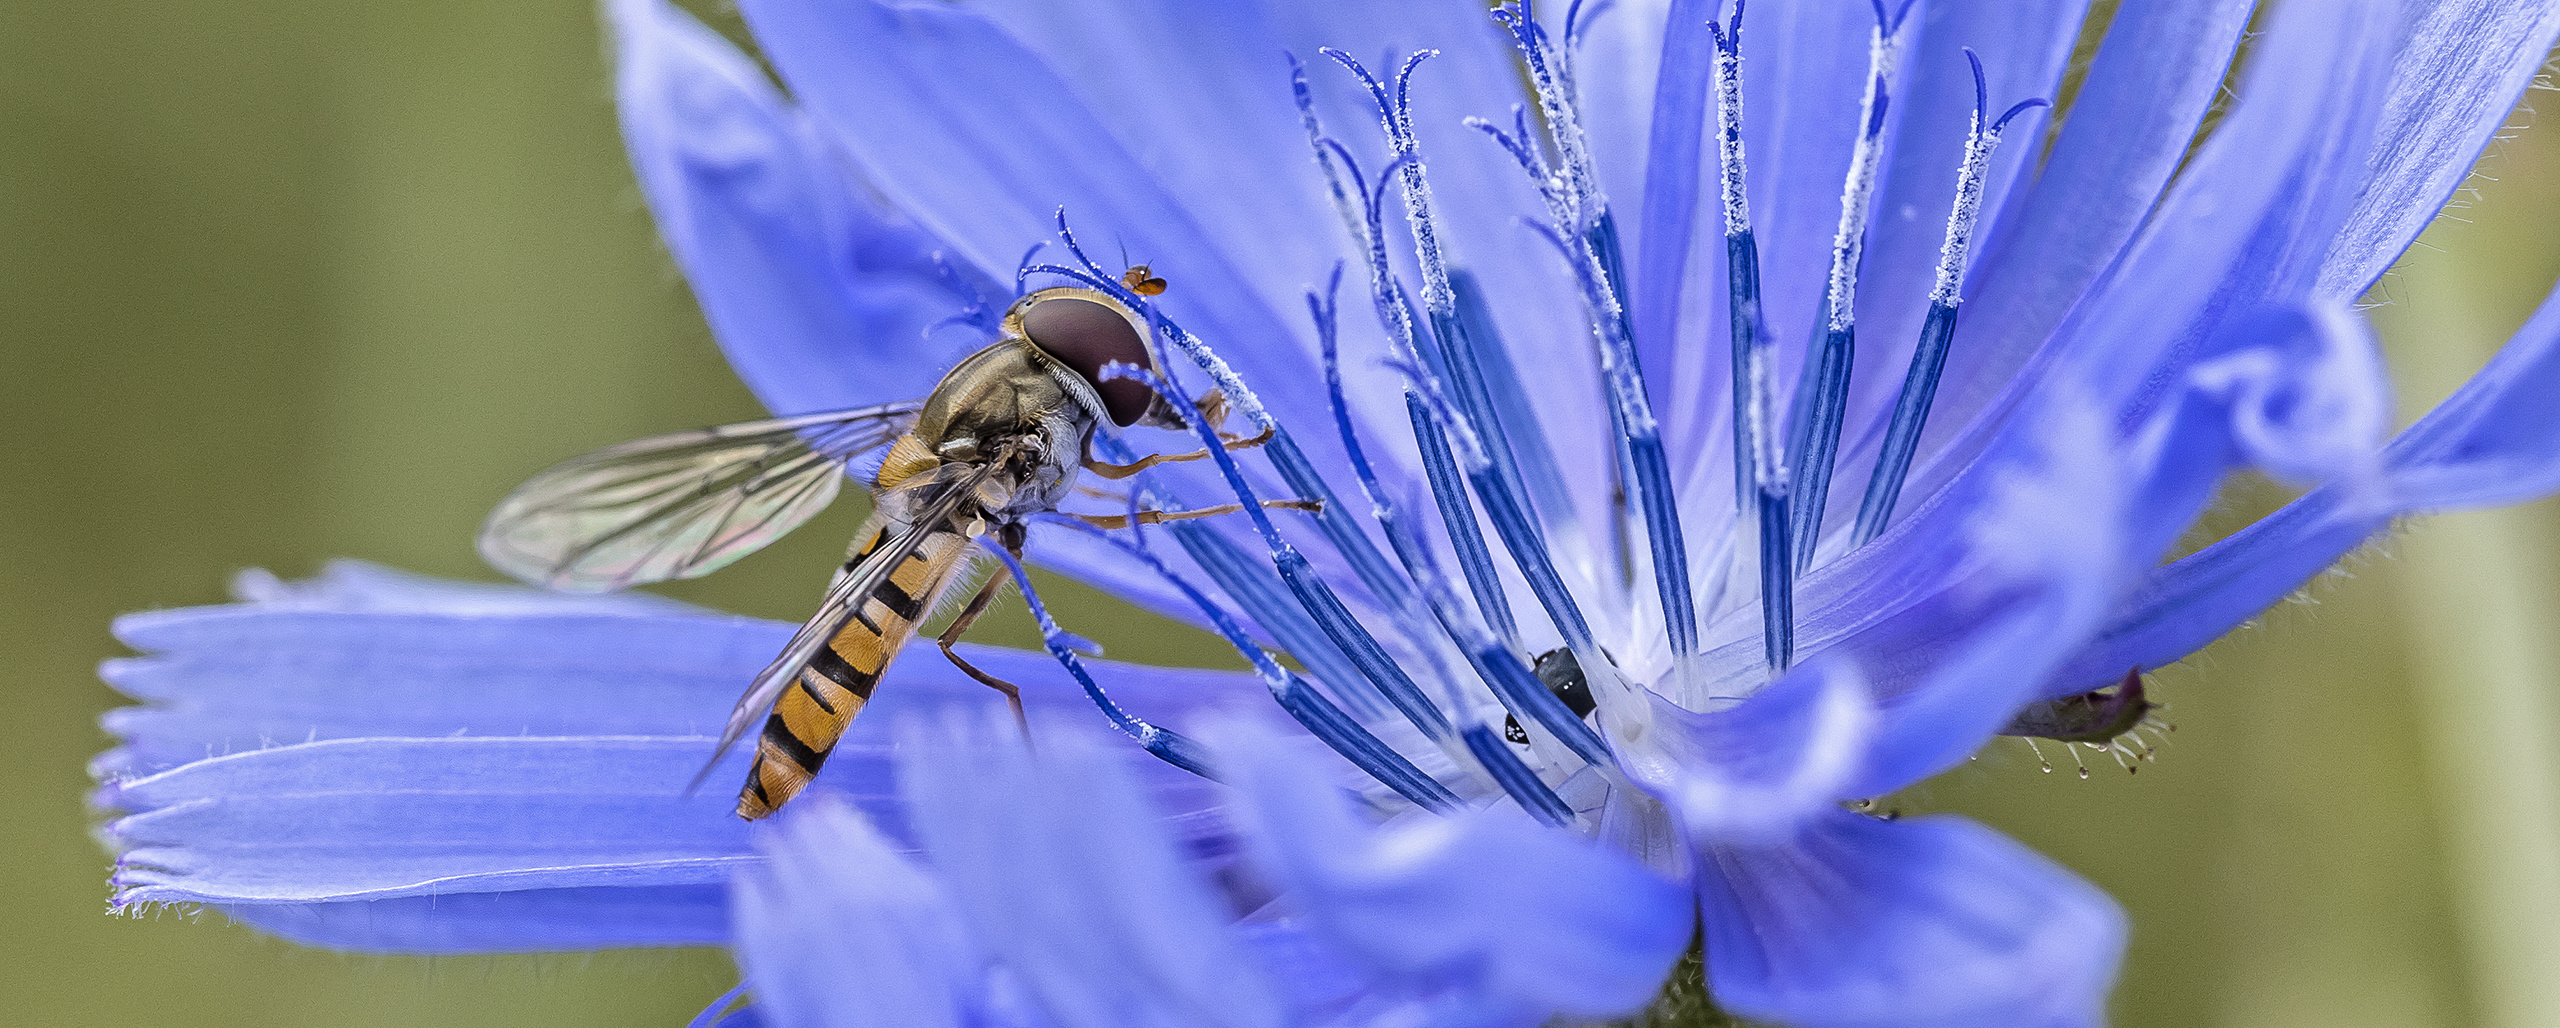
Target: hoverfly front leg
{"type": "Point", "coordinates": [1120, 471]}
{"type": "Point", "coordinates": [1109, 522]}
{"type": "Point", "coordinates": [1011, 534]}
{"type": "Point", "coordinates": [969, 616]}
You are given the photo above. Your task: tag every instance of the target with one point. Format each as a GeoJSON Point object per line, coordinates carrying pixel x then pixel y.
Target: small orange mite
{"type": "Point", "coordinates": [1142, 280]}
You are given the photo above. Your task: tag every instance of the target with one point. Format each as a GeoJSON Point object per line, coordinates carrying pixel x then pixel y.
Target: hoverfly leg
{"type": "Point", "coordinates": [1115, 472]}
{"type": "Point", "coordinates": [1240, 442]}
{"type": "Point", "coordinates": [969, 616]}
{"type": "Point", "coordinates": [1120, 471]}
{"type": "Point", "coordinates": [1110, 522]}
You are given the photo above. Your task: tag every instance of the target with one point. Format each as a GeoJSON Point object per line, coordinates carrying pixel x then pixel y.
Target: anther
{"type": "Point", "coordinates": [1826, 400]}
{"type": "Point", "coordinates": [1302, 702]}
{"type": "Point", "coordinates": [1760, 480]}
{"type": "Point", "coordinates": [1432, 439]}
{"type": "Point", "coordinates": [1929, 357]}
{"type": "Point", "coordinates": [1495, 663]}
{"type": "Point", "coordinates": [1446, 485]}
{"type": "Point", "coordinates": [1485, 465]}
{"type": "Point", "coordinates": [1317, 598]}
{"type": "Point", "coordinates": [1587, 236]}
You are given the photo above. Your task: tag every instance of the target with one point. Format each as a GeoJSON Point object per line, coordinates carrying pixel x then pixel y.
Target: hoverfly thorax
{"type": "Point", "coordinates": [1032, 399]}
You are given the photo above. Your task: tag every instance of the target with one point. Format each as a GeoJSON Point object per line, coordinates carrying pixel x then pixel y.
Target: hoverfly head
{"type": "Point", "coordinates": [1083, 330]}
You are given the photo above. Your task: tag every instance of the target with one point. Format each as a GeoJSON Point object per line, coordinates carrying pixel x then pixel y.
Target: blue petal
{"type": "Point", "coordinates": [351, 586]}
{"type": "Point", "coordinates": [1964, 664]}
{"type": "Point", "coordinates": [1999, 579]}
{"type": "Point", "coordinates": [1756, 772]}
{"type": "Point", "coordinates": [2024, 49]}
{"type": "Point", "coordinates": [1934, 922]}
{"type": "Point", "coordinates": [440, 753]}
{"type": "Point", "coordinates": [2459, 74]}
{"type": "Point", "coordinates": [1056, 898]}
{"type": "Point", "coordinates": [820, 298]}
{"type": "Point", "coordinates": [838, 930]}
{"type": "Point", "coordinates": [2496, 440]}
{"type": "Point", "coordinates": [226, 679]}
{"type": "Point", "coordinates": [1199, 95]}
{"type": "Point", "coordinates": [2199, 598]}
{"type": "Point", "coordinates": [2292, 390]}
{"type": "Point", "coordinates": [355, 819]}
{"type": "Point", "coordinates": [2161, 67]}
{"type": "Point", "coordinates": [2050, 538]}
{"type": "Point", "coordinates": [2298, 391]}
{"type": "Point", "coordinates": [2302, 101]}
{"type": "Point", "coordinates": [1061, 869]}
{"type": "Point", "coordinates": [1488, 904]}
{"type": "Point", "coordinates": [2493, 442]}
{"type": "Point", "coordinates": [1992, 583]}
{"type": "Point", "coordinates": [440, 659]}
{"type": "Point", "coordinates": [743, 1017]}
{"type": "Point", "coordinates": [975, 135]}
{"type": "Point", "coordinates": [523, 921]}
{"type": "Point", "coordinates": [2177, 292]}
{"type": "Point", "coordinates": [2284, 157]}
{"type": "Point", "coordinates": [2303, 393]}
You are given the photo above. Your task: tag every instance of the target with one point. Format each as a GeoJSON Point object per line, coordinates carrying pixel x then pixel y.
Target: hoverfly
{"type": "Point", "coordinates": [1000, 438]}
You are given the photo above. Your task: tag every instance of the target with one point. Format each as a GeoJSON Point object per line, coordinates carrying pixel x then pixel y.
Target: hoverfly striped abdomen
{"type": "Point", "coordinates": [811, 716]}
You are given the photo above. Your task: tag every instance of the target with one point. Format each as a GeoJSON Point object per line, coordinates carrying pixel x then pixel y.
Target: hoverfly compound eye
{"type": "Point", "coordinates": [1085, 335]}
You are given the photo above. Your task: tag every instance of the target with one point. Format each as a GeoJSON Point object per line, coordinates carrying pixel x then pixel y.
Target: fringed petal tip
{"type": "Point", "coordinates": [533, 759]}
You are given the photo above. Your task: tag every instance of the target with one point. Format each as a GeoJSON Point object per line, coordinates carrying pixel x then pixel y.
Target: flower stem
{"type": "Point", "coordinates": [1682, 1003]}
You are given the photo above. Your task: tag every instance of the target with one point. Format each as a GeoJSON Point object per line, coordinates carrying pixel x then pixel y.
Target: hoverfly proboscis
{"type": "Point", "coordinates": [1003, 436]}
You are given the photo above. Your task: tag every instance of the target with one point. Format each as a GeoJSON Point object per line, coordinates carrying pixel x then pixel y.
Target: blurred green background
{"type": "Point", "coordinates": [289, 280]}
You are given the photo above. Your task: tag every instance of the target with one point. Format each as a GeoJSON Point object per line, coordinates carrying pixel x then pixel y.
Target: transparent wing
{"type": "Point", "coordinates": [679, 505]}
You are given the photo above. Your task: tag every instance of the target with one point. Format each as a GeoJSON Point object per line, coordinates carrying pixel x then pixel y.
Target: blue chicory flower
{"type": "Point", "coordinates": [1780, 598]}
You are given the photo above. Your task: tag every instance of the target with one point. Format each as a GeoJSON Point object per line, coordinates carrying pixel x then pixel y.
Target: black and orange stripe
{"type": "Point", "coordinates": [812, 715]}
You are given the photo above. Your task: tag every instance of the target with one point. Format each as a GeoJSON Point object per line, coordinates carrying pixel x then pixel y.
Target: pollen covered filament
{"type": "Point", "coordinates": [1481, 468]}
